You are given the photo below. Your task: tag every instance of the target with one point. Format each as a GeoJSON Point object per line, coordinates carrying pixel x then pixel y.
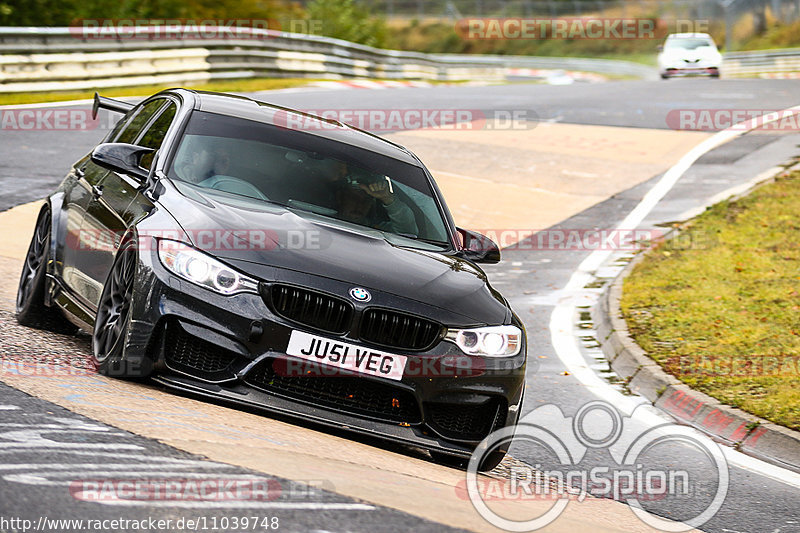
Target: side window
{"type": "Point", "coordinates": [135, 126]}
{"type": "Point", "coordinates": [154, 135]}
{"type": "Point", "coordinates": [121, 123]}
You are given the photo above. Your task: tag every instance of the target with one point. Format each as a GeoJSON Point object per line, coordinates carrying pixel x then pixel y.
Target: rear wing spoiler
{"type": "Point", "coordinates": [101, 102]}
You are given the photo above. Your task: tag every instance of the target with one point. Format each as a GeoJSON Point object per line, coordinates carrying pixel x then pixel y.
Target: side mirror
{"type": "Point", "coordinates": [660, 48]}
{"type": "Point", "coordinates": [478, 248]}
{"type": "Point", "coordinates": [121, 157]}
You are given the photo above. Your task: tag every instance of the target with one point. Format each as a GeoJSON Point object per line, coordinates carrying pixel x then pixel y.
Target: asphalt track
{"type": "Point", "coordinates": [635, 114]}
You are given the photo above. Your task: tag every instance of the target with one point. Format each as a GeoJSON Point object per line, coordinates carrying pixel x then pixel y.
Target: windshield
{"type": "Point", "coordinates": [687, 43]}
{"type": "Point", "coordinates": [310, 175]}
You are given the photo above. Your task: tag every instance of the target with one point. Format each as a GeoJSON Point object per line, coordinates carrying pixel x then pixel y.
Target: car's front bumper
{"type": "Point", "coordinates": [695, 69]}
{"type": "Point", "coordinates": [233, 348]}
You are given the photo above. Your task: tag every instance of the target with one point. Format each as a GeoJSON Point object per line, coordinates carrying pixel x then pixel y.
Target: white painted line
{"type": "Point", "coordinates": [42, 478]}
{"type": "Point", "coordinates": [67, 103]}
{"type": "Point", "coordinates": [68, 445]}
{"type": "Point", "coordinates": [179, 463]}
{"type": "Point", "coordinates": [309, 506]}
{"type": "Point", "coordinates": [8, 408]}
{"type": "Point", "coordinates": [561, 327]}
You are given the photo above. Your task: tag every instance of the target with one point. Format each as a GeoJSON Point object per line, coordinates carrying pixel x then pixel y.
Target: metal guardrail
{"type": "Point", "coordinates": [44, 59]}
{"type": "Point", "coordinates": [762, 63]}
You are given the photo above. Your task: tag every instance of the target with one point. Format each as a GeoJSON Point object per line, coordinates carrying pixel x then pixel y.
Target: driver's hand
{"type": "Point", "coordinates": [379, 190]}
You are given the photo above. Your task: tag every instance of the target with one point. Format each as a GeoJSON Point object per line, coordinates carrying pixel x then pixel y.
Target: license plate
{"type": "Point", "coordinates": [346, 356]}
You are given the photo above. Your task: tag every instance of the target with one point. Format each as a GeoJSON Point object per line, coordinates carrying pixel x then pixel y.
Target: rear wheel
{"type": "Point", "coordinates": [114, 317]}
{"type": "Point", "coordinates": [31, 309]}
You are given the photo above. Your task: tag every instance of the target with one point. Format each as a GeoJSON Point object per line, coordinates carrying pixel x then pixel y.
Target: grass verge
{"type": "Point", "coordinates": [719, 308]}
{"type": "Point", "coordinates": [242, 85]}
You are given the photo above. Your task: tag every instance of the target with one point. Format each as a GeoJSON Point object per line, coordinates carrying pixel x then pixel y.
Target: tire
{"type": "Point", "coordinates": [664, 76]}
{"type": "Point", "coordinates": [112, 323]}
{"type": "Point", "coordinates": [30, 307]}
{"type": "Point", "coordinates": [489, 463]}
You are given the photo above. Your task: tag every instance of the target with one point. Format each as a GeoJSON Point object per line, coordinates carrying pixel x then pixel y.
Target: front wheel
{"type": "Point", "coordinates": [113, 319]}
{"type": "Point", "coordinates": [31, 309]}
{"type": "Point", "coordinates": [489, 462]}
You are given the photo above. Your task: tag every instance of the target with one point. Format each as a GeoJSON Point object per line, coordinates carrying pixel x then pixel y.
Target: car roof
{"type": "Point", "coordinates": [688, 35]}
{"type": "Point", "coordinates": [250, 109]}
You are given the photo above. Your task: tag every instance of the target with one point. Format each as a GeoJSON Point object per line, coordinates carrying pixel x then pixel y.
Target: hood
{"type": "Point", "coordinates": [257, 237]}
{"type": "Point", "coordinates": [705, 52]}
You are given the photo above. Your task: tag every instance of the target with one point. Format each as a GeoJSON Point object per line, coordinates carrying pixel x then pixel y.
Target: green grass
{"type": "Point", "coordinates": [719, 308]}
{"type": "Point", "coordinates": [242, 85]}
{"type": "Point", "coordinates": [778, 35]}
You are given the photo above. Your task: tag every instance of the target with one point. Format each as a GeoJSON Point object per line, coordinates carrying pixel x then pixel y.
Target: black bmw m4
{"type": "Point", "coordinates": [248, 252]}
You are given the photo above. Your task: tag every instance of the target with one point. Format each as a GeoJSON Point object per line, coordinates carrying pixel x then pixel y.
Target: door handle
{"type": "Point", "coordinates": [97, 191]}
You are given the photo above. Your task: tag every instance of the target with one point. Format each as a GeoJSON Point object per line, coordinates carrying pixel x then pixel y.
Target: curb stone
{"type": "Point", "coordinates": [744, 431]}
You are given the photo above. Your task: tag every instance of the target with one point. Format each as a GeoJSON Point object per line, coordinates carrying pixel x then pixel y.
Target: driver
{"type": "Point", "coordinates": [205, 164]}
{"type": "Point", "coordinates": [358, 205]}
{"type": "Point", "coordinates": [208, 168]}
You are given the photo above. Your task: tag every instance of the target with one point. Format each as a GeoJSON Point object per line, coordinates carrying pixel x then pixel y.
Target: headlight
{"type": "Point", "coordinates": [493, 341]}
{"type": "Point", "coordinates": [201, 269]}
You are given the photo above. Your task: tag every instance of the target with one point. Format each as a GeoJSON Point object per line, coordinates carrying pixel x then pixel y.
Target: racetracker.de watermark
{"type": "Point", "coordinates": [576, 239]}
{"type": "Point", "coordinates": [509, 240]}
{"type": "Point", "coordinates": [416, 365]}
{"type": "Point", "coordinates": [153, 29]}
{"type": "Point", "coordinates": [209, 240]}
{"type": "Point", "coordinates": [207, 489]}
{"type": "Point", "coordinates": [574, 28]}
{"type": "Point", "coordinates": [734, 119]}
{"type": "Point", "coordinates": [640, 468]}
{"type": "Point", "coordinates": [735, 365]}
{"type": "Point", "coordinates": [26, 119]}
{"type": "Point", "coordinates": [556, 28]}
{"type": "Point", "coordinates": [407, 119]}
{"type": "Point", "coordinates": [58, 366]}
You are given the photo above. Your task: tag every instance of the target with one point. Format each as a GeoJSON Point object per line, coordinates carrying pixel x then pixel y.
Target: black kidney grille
{"type": "Point", "coordinates": [196, 356]}
{"type": "Point", "coordinates": [466, 422]}
{"type": "Point", "coordinates": [398, 330]}
{"type": "Point", "coordinates": [350, 394]}
{"type": "Point", "coordinates": [313, 309]}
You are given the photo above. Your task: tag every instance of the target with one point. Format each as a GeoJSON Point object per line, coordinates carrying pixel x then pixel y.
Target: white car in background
{"type": "Point", "coordinates": [686, 54]}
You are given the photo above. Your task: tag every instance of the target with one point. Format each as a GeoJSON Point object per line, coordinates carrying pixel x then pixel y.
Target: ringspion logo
{"type": "Point", "coordinates": [641, 469]}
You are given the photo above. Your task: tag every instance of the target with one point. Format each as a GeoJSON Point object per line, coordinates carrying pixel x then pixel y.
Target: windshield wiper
{"type": "Point", "coordinates": [415, 237]}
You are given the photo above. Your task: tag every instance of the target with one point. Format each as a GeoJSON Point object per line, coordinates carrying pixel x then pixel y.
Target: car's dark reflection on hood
{"type": "Point", "coordinates": [256, 237]}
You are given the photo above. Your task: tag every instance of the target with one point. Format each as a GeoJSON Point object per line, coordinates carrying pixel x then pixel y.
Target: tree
{"type": "Point", "coordinates": [344, 19]}
{"type": "Point", "coordinates": [67, 12]}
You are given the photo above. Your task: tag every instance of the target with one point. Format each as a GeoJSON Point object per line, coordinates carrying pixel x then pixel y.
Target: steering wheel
{"type": "Point", "coordinates": [233, 185]}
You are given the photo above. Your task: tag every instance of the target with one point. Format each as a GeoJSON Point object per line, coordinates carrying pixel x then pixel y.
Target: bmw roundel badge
{"type": "Point", "coordinates": [362, 295]}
